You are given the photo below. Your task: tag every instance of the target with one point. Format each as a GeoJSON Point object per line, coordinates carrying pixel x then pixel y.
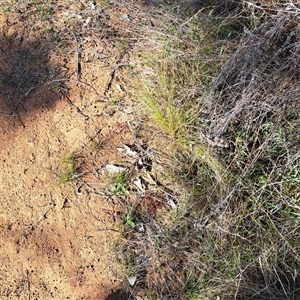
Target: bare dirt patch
{"type": "Point", "coordinates": [60, 95]}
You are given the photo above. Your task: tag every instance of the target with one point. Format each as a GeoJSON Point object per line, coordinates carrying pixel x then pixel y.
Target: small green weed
{"type": "Point", "coordinates": [128, 219]}
{"type": "Point", "coordinates": [42, 11]}
{"type": "Point", "coordinates": [121, 184]}
{"type": "Point", "coordinates": [115, 100]}
{"type": "Point", "coordinates": [96, 145]}
{"type": "Point", "coordinates": [69, 169]}
{"type": "Point", "coordinates": [122, 45]}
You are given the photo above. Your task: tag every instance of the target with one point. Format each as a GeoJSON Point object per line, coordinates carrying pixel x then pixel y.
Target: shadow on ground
{"type": "Point", "coordinates": [119, 295]}
{"type": "Point", "coordinates": [24, 71]}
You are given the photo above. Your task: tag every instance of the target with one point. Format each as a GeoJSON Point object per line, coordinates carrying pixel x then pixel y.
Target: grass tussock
{"type": "Point", "coordinates": [70, 166]}
{"type": "Point", "coordinates": [226, 107]}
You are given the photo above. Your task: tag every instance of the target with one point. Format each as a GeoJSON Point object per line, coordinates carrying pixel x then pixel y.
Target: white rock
{"type": "Point", "coordinates": [114, 169]}
{"type": "Point", "coordinates": [132, 280]}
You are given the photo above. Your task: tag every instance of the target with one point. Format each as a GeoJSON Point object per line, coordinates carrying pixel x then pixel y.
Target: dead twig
{"type": "Point", "coordinates": [72, 80]}
{"type": "Point", "coordinates": [28, 285]}
{"type": "Point", "coordinates": [111, 75]}
{"type": "Point", "coordinates": [78, 110]}
{"type": "Point", "coordinates": [78, 64]}
{"type": "Point", "coordinates": [42, 217]}
{"type": "Point", "coordinates": [15, 110]}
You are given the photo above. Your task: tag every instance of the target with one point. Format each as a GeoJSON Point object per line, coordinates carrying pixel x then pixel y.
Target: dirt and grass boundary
{"type": "Point", "coordinates": [190, 139]}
